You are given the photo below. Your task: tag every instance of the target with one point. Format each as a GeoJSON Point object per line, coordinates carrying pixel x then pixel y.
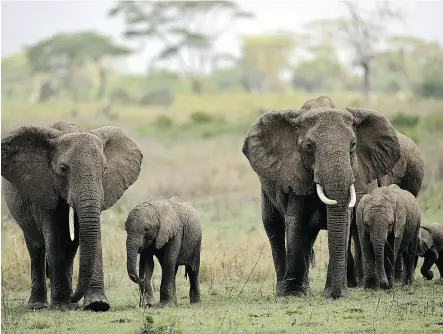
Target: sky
{"type": "Point", "coordinates": [25, 22]}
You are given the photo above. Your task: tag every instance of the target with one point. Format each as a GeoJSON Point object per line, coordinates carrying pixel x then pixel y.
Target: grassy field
{"type": "Point", "coordinates": [193, 150]}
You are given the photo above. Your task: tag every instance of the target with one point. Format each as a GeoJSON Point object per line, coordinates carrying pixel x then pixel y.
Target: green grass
{"type": "Point", "coordinates": [193, 149]}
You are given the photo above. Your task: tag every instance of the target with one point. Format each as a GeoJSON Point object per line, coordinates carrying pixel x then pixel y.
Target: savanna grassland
{"type": "Point", "coordinates": [193, 149]}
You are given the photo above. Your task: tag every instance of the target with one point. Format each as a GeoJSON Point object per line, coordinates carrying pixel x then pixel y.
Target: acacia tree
{"type": "Point", "coordinates": [363, 34]}
{"type": "Point", "coordinates": [264, 58]}
{"type": "Point", "coordinates": [186, 31]}
{"type": "Point", "coordinates": [61, 57]}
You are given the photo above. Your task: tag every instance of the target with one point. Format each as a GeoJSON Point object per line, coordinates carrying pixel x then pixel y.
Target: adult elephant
{"type": "Point", "coordinates": [52, 173]}
{"type": "Point", "coordinates": [308, 157]}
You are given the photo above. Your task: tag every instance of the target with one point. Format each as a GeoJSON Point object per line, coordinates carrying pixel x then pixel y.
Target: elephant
{"type": "Point", "coordinates": [388, 223]}
{"type": "Point", "coordinates": [430, 246]}
{"type": "Point", "coordinates": [407, 173]}
{"type": "Point", "coordinates": [58, 179]}
{"type": "Point", "coordinates": [170, 230]}
{"type": "Point", "coordinates": [311, 163]}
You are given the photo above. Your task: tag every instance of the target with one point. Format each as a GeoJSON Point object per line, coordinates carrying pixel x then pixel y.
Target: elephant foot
{"type": "Point", "coordinates": [195, 299]}
{"type": "Point", "coordinates": [147, 302]}
{"type": "Point", "coordinates": [428, 275]}
{"type": "Point", "coordinates": [37, 305]}
{"type": "Point", "coordinates": [63, 306]}
{"type": "Point", "coordinates": [96, 303]}
{"type": "Point", "coordinates": [352, 284]}
{"type": "Point", "coordinates": [344, 293]}
{"type": "Point", "coordinates": [384, 284]}
{"type": "Point", "coordinates": [287, 288]}
{"type": "Point", "coordinates": [166, 304]}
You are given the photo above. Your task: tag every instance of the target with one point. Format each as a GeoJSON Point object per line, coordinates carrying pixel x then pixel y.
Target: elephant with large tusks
{"type": "Point", "coordinates": [312, 163]}
{"type": "Point", "coordinates": [57, 180]}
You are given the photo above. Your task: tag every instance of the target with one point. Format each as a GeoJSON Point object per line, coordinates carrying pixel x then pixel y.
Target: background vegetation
{"type": "Point", "coordinates": [190, 125]}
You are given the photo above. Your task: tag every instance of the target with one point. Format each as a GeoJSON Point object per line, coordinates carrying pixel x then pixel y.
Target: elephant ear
{"type": "Point", "coordinates": [124, 160]}
{"type": "Point", "coordinates": [378, 147]}
{"type": "Point", "coordinates": [66, 127]}
{"type": "Point", "coordinates": [169, 224]}
{"type": "Point", "coordinates": [271, 148]}
{"type": "Point", "coordinates": [26, 157]}
{"type": "Point", "coordinates": [425, 241]}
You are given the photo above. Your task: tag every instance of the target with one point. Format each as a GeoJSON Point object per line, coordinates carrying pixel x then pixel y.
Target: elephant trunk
{"type": "Point", "coordinates": [88, 212]}
{"type": "Point", "coordinates": [337, 225]}
{"type": "Point", "coordinates": [131, 260]}
{"type": "Point", "coordinates": [379, 252]}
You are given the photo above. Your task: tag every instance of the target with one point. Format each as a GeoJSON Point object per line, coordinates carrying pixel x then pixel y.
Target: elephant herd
{"type": "Point", "coordinates": [320, 167]}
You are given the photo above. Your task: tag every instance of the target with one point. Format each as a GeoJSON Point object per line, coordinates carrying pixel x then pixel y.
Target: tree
{"type": "Point", "coordinates": [363, 32]}
{"type": "Point", "coordinates": [186, 31]}
{"type": "Point", "coordinates": [16, 74]}
{"type": "Point", "coordinates": [61, 57]}
{"type": "Point", "coordinates": [265, 58]}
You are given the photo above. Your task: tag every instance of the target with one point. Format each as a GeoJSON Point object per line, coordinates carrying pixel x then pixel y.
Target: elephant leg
{"type": "Point", "coordinates": [390, 264]}
{"type": "Point", "coordinates": [439, 264]}
{"type": "Point", "coordinates": [399, 269]}
{"type": "Point", "coordinates": [175, 285]}
{"type": "Point", "coordinates": [55, 250]}
{"type": "Point", "coordinates": [312, 236]}
{"type": "Point", "coordinates": [38, 298]}
{"type": "Point", "coordinates": [408, 260]}
{"type": "Point", "coordinates": [370, 277]}
{"type": "Point", "coordinates": [95, 298]}
{"type": "Point", "coordinates": [194, 285]}
{"type": "Point", "coordinates": [275, 230]}
{"type": "Point", "coordinates": [356, 274]}
{"type": "Point", "coordinates": [168, 262]}
{"type": "Point", "coordinates": [351, 274]}
{"type": "Point", "coordinates": [430, 257]}
{"type": "Point", "coordinates": [146, 270]}
{"type": "Point", "coordinates": [296, 231]}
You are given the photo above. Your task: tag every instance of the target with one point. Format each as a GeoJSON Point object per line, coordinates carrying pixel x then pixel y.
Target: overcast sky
{"type": "Point", "coordinates": [25, 22]}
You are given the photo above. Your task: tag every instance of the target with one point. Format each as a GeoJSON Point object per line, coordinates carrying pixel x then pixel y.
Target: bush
{"type": "Point", "coordinates": [200, 117]}
{"type": "Point", "coordinates": [163, 122]}
{"type": "Point", "coordinates": [158, 97]}
{"type": "Point", "coordinates": [405, 120]}
{"type": "Point", "coordinates": [431, 87]}
{"type": "Point", "coordinates": [433, 121]}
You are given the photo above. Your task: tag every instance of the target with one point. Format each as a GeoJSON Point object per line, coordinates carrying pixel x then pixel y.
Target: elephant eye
{"type": "Point", "coordinates": [309, 146]}
{"type": "Point", "coordinates": [63, 168]}
{"type": "Point", "coordinates": [105, 169]}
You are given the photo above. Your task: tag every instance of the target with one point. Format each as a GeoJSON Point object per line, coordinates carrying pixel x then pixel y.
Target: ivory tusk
{"type": "Point", "coordinates": [323, 197]}
{"type": "Point", "coordinates": [71, 223]}
{"type": "Point", "coordinates": [353, 196]}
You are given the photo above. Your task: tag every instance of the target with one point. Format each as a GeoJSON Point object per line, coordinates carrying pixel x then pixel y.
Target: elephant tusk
{"type": "Point", "coordinates": [71, 223]}
{"type": "Point", "coordinates": [323, 197]}
{"type": "Point", "coordinates": [353, 196]}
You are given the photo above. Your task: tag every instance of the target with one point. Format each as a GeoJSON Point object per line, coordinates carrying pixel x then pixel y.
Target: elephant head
{"type": "Point", "coordinates": [88, 170]}
{"type": "Point", "coordinates": [327, 150]}
{"type": "Point", "coordinates": [425, 241]}
{"type": "Point", "coordinates": [151, 223]}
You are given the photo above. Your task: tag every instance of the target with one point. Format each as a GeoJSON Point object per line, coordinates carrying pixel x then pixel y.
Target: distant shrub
{"type": "Point", "coordinates": [405, 120]}
{"type": "Point", "coordinates": [163, 122]}
{"type": "Point", "coordinates": [158, 97]}
{"type": "Point", "coordinates": [200, 117]}
{"type": "Point", "coordinates": [433, 121]}
{"type": "Point", "coordinates": [432, 87]}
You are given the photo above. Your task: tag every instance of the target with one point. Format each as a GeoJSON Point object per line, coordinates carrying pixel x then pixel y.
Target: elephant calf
{"type": "Point", "coordinates": [388, 222]}
{"type": "Point", "coordinates": [169, 229]}
{"type": "Point", "coordinates": [430, 246]}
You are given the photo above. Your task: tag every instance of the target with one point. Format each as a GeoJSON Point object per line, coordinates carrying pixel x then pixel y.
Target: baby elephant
{"type": "Point", "coordinates": [430, 246]}
{"type": "Point", "coordinates": [388, 222]}
{"type": "Point", "coordinates": [169, 229]}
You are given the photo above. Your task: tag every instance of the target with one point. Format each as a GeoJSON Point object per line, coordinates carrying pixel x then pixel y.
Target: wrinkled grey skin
{"type": "Point", "coordinates": [407, 173]}
{"type": "Point", "coordinates": [292, 151]}
{"type": "Point", "coordinates": [168, 229]}
{"type": "Point", "coordinates": [388, 223]}
{"type": "Point", "coordinates": [47, 169]}
{"type": "Point", "coordinates": [430, 246]}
